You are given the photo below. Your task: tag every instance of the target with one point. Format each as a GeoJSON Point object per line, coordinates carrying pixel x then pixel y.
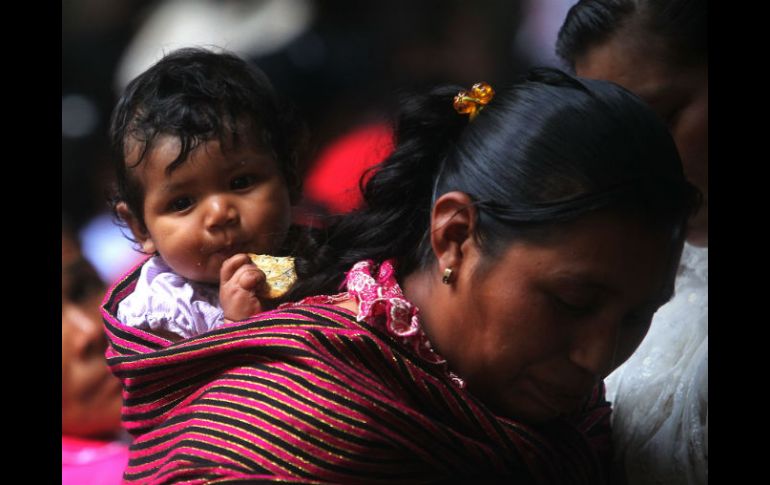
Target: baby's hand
{"type": "Point", "coordinates": [240, 283]}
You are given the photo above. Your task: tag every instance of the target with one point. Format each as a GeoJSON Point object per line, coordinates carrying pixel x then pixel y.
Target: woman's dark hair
{"type": "Point", "coordinates": [546, 151]}
{"type": "Point", "coordinates": [197, 95]}
{"type": "Point", "coordinates": [682, 24]}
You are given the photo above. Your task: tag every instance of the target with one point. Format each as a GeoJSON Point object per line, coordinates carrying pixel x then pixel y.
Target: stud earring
{"type": "Point", "coordinates": [447, 275]}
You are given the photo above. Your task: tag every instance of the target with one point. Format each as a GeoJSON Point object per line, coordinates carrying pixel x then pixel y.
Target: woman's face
{"type": "Point", "coordinates": [678, 93]}
{"type": "Point", "coordinates": [91, 395]}
{"type": "Point", "coordinates": [534, 329]}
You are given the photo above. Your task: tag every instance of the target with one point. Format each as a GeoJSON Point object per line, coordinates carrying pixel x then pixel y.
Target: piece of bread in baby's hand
{"type": "Point", "coordinates": [279, 272]}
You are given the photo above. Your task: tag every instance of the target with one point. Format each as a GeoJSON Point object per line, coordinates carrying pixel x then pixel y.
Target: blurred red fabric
{"type": "Point", "coordinates": [332, 181]}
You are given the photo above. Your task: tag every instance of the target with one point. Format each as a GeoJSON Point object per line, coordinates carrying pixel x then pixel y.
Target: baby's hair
{"type": "Point", "coordinates": [197, 95]}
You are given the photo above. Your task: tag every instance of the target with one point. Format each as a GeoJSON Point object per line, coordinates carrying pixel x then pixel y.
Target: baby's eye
{"type": "Point", "coordinates": [180, 204]}
{"type": "Point", "coordinates": [242, 182]}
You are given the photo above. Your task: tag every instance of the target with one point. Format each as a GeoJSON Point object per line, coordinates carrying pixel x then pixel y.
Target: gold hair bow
{"type": "Point", "coordinates": [471, 103]}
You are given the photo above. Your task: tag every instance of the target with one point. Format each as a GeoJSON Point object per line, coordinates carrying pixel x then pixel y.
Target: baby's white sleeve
{"type": "Point", "coordinates": [163, 300]}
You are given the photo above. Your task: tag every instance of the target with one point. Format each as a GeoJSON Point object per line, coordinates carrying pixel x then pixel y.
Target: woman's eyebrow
{"type": "Point", "coordinates": [580, 279]}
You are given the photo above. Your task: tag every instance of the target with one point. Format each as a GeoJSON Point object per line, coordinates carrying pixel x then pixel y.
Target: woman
{"type": "Point", "coordinates": [93, 451]}
{"type": "Point", "coordinates": [659, 50]}
{"type": "Point", "coordinates": [499, 269]}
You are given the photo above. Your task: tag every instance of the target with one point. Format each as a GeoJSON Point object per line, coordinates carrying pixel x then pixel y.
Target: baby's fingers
{"type": "Point", "coordinates": [249, 277]}
{"type": "Point", "coordinates": [231, 265]}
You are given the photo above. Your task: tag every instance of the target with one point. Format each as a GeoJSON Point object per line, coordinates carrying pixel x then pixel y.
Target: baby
{"type": "Point", "coordinates": [206, 174]}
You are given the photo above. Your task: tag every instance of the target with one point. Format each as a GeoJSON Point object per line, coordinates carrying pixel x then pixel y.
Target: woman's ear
{"type": "Point", "coordinates": [137, 228]}
{"type": "Point", "coordinates": [452, 229]}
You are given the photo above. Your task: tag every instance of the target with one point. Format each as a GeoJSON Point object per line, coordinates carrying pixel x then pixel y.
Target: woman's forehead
{"type": "Point", "coordinates": [605, 251]}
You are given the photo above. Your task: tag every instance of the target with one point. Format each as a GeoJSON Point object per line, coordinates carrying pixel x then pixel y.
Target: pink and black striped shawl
{"type": "Point", "coordinates": [309, 395]}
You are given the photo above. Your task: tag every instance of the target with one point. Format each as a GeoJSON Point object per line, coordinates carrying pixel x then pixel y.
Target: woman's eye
{"type": "Point", "coordinates": [180, 204]}
{"type": "Point", "coordinates": [578, 307]}
{"type": "Point", "coordinates": [242, 182]}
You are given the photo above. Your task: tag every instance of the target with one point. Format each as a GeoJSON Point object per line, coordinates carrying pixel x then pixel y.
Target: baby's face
{"type": "Point", "coordinates": [219, 202]}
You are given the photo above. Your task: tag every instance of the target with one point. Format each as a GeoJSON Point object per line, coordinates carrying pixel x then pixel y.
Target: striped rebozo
{"type": "Point", "coordinates": [309, 394]}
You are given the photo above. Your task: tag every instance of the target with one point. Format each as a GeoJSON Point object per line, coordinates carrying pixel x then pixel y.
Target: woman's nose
{"type": "Point", "coordinates": [594, 349]}
{"type": "Point", "coordinates": [220, 213]}
{"type": "Point", "coordinates": [84, 328]}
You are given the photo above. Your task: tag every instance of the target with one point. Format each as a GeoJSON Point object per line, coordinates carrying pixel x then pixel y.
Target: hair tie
{"type": "Point", "coordinates": [471, 103]}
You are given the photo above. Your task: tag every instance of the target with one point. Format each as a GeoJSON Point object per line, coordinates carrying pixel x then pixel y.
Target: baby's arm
{"type": "Point", "coordinates": [240, 283]}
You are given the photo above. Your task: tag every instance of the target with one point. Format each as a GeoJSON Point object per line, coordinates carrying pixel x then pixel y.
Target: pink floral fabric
{"type": "Point", "coordinates": [381, 301]}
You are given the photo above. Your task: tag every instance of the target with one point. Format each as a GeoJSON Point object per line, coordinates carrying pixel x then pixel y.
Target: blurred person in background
{"type": "Point", "coordinates": [94, 446]}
